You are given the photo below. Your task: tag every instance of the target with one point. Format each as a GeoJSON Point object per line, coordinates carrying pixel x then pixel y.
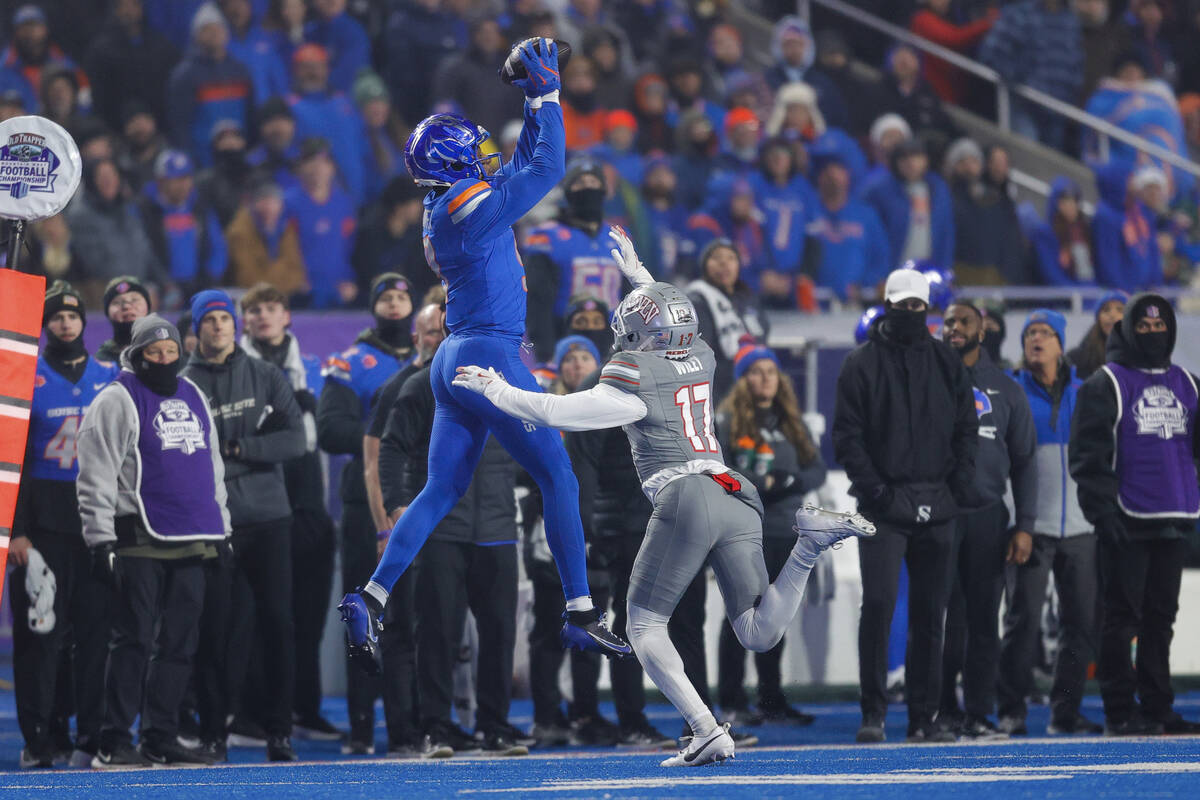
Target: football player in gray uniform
{"type": "Point", "coordinates": [658, 387]}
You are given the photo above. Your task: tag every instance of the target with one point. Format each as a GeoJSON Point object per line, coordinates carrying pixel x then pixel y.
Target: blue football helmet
{"type": "Point", "coordinates": [863, 330]}
{"type": "Point", "coordinates": [941, 282]}
{"type": "Point", "coordinates": [444, 148]}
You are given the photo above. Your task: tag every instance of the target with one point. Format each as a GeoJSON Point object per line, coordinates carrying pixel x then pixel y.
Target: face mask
{"type": "Point", "coordinates": [581, 102]}
{"type": "Point", "coordinates": [603, 339]}
{"type": "Point", "coordinates": [394, 332]}
{"type": "Point", "coordinates": [162, 379]}
{"type": "Point", "coordinates": [58, 350]}
{"type": "Point", "coordinates": [233, 161]}
{"type": "Point", "coordinates": [991, 343]}
{"type": "Point", "coordinates": [1156, 346]}
{"type": "Point", "coordinates": [905, 326]}
{"type": "Point", "coordinates": [586, 205]}
{"type": "Point", "coordinates": [122, 332]}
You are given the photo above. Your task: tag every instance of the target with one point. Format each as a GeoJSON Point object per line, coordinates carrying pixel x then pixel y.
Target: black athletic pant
{"type": "Point", "coordinates": [48, 681]}
{"type": "Point", "coordinates": [614, 556]}
{"type": "Point", "coordinates": [929, 553]}
{"type": "Point", "coordinates": [312, 581]}
{"type": "Point", "coordinates": [213, 677]}
{"type": "Point", "coordinates": [1076, 575]}
{"type": "Point", "coordinates": [1141, 598]}
{"type": "Point", "coordinates": [155, 628]}
{"type": "Point", "coordinates": [262, 614]}
{"type": "Point", "coordinates": [731, 656]}
{"type": "Point", "coordinates": [454, 576]}
{"type": "Point", "coordinates": [972, 644]}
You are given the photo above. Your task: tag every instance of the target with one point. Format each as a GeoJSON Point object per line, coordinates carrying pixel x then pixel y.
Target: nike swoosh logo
{"type": "Point", "coordinates": [98, 386]}
{"type": "Point", "coordinates": [992, 391]}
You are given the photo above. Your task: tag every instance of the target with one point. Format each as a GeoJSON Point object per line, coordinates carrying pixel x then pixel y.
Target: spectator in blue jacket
{"type": "Point", "coordinates": [418, 32]}
{"type": "Point", "coordinates": [788, 204]}
{"type": "Point", "coordinates": [619, 146]}
{"type": "Point", "coordinates": [183, 228]}
{"type": "Point", "coordinates": [667, 218]}
{"type": "Point", "coordinates": [1061, 541]}
{"type": "Point", "coordinates": [30, 53]}
{"type": "Point", "coordinates": [254, 47]}
{"type": "Point", "coordinates": [324, 217]}
{"type": "Point", "coordinates": [1123, 234]}
{"type": "Point", "coordinates": [731, 214]}
{"type": "Point", "coordinates": [207, 86]}
{"type": "Point", "coordinates": [343, 38]}
{"type": "Point", "coordinates": [695, 157]}
{"type": "Point", "coordinates": [794, 51]}
{"type": "Point", "coordinates": [1037, 43]}
{"type": "Point", "coordinates": [853, 245]}
{"type": "Point", "coordinates": [1062, 244]}
{"type": "Point", "coordinates": [915, 207]}
{"type": "Point", "coordinates": [319, 111]}
{"type": "Point", "coordinates": [385, 135]}
{"type": "Point", "coordinates": [278, 145]}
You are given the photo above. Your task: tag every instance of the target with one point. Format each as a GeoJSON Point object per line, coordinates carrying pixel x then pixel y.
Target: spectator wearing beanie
{"type": "Point", "coordinates": [57, 602]}
{"type": "Point", "coordinates": [321, 111]}
{"type": "Point", "coordinates": [152, 502]}
{"type": "Point", "coordinates": [182, 225]}
{"type": "Point", "coordinates": [258, 428]}
{"type": "Point", "coordinates": [1092, 351]}
{"type": "Point", "coordinates": [207, 86]}
{"type": "Point", "coordinates": [125, 301]}
{"type": "Point", "coordinates": [988, 243]}
{"type": "Point", "coordinates": [1060, 542]}
{"type": "Point", "coordinates": [278, 147]}
{"type": "Point", "coordinates": [385, 134]}
{"type": "Point", "coordinates": [1123, 236]}
{"type": "Point", "coordinates": [1134, 445]}
{"type": "Point", "coordinates": [854, 246]}
{"type": "Point", "coordinates": [767, 441]}
{"type": "Point", "coordinates": [915, 207]}
{"type": "Point", "coordinates": [794, 52]}
{"type": "Point", "coordinates": [618, 148]}
{"type": "Point", "coordinates": [324, 216]}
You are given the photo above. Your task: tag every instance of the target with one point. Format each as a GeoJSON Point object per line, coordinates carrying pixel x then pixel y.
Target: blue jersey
{"type": "Point", "coordinates": [365, 369]}
{"type": "Point", "coordinates": [468, 233]}
{"type": "Point", "coordinates": [787, 210]}
{"type": "Point", "coordinates": [585, 263]}
{"type": "Point", "coordinates": [54, 417]}
{"type": "Point", "coordinates": [326, 240]}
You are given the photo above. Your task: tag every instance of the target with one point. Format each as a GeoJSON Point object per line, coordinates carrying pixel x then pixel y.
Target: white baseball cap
{"type": "Point", "coordinates": [905, 283]}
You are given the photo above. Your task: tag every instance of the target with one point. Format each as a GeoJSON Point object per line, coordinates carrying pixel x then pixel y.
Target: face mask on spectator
{"type": "Point", "coordinates": [586, 205]}
{"type": "Point", "coordinates": [1156, 345]}
{"type": "Point", "coordinates": [904, 325]}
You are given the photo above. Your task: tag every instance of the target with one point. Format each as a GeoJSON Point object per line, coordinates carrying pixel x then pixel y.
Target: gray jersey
{"type": "Point", "coordinates": [680, 408]}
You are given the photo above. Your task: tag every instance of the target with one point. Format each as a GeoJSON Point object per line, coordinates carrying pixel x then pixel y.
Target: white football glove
{"type": "Point", "coordinates": [627, 258]}
{"type": "Point", "coordinates": [478, 379]}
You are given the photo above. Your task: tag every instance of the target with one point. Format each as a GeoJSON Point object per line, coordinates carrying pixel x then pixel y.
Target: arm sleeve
{"type": "Point", "coordinates": [105, 436]}
{"type": "Point", "coordinates": [601, 407]}
{"type": "Point", "coordinates": [965, 441]}
{"type": "Point", "coordinates": [1022, 451]}
{"type": "Point", "coordinates": [339, 419]}
{"type": "Point", "coordinates": [956, 37]}
{"type": "Point", "coordinates": [506, 201]}
{"type": "Point", "coordinates": [849, 434]}
{"type": "Point", "coordinates": [1090, 450]}
{"type": "Point", "coordinates": [525, 143]}
{"type": "Point", "coordinates": [282, 445]}
{"type": "Point", "coordinates": [542, 277]}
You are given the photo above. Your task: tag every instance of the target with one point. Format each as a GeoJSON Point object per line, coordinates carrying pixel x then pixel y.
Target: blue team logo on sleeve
{"type": "Point", "coordinates": [27, 165]}
{"type": "Point", "coordinates": [983, 403]}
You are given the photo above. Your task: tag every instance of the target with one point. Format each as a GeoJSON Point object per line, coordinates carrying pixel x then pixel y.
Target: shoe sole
{"type": "Point", "coordinates": [859, 525]}
{"type": "Point", "coordinates": [714, 752]}
{"type": "Point", "coordinates": [596, 646]}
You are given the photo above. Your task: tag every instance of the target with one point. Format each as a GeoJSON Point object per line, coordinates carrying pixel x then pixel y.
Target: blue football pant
{"type": "Point", "coordinates": [461, 423]}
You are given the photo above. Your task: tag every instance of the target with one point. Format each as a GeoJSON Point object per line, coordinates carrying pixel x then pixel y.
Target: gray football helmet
{"type": "Point", "coordinates": [657, 318]}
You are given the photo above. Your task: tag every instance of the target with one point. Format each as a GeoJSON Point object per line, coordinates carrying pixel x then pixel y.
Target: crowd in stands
{"type": "Point", "coordinates": [231, 142]}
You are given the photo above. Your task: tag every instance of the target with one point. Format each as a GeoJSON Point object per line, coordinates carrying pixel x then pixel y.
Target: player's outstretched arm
{"type": "Point", "coordinates": [597, 408]}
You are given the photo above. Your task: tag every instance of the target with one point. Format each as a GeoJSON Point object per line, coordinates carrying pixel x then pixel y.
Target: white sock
{"type": "Point", "coordinates": [376, 591]}
{"type": "Point", "coordinates": [760, 628]}
{"type": "Point", "coordinates": [648, 635]}
{"type": "Point", "coordinates": [581, 603]}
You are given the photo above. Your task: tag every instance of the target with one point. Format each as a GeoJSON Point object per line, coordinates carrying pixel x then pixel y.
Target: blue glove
{"type": "Point", "coordinates": [540, 58]}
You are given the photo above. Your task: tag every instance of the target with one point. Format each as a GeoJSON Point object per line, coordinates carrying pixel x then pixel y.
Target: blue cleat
{"type": "Point", "coordinates": [362, 632]}
{"type": "Point", "coordinates": [586, 631]}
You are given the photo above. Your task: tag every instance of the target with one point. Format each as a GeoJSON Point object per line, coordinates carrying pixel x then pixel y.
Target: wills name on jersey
{"type": "Point", "coordinates": [678, 426]}
{"type": "Point", "coordinates": [585, 263]}
{"type": "Point", "coordinates": [57, 409]}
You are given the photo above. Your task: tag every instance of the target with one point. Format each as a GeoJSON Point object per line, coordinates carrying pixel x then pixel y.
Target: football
{"type": "Point", "coordinates": [512, 68]}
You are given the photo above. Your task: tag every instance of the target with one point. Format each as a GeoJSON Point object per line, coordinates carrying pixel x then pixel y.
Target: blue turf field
{"type": "Point", "coordinates": [816, 763]}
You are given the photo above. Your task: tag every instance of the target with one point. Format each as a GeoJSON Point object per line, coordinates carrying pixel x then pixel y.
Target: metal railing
{"type": "Point", "coordinates": [1104, 129]}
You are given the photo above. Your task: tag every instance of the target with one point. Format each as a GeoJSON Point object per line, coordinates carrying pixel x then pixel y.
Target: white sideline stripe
{"type": "Point", "coordinates": [18, 347]}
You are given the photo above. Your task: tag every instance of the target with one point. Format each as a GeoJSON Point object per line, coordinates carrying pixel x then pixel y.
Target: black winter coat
{"type": "Point", "coordinates": [905, 429]}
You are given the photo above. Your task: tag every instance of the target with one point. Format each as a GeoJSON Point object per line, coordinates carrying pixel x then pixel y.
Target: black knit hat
{"type": "Point", "coordinates": [122, 284]}
{"type": "Point", "coordinates": [388, 280]}
{"type": "Point", "coordinates": [61, 296]}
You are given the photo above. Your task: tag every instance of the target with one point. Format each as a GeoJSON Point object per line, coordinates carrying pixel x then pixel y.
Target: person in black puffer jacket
{"type": "Point", "coordinates": [762, 432]}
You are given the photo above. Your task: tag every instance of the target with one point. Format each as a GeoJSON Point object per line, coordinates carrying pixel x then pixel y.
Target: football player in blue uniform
{"type": "Point", "coordinates": [52, 590]}
{"type": "Point", "coordinates": [570, 257]}
{"type": "Point", "coordinates": [470, 244]}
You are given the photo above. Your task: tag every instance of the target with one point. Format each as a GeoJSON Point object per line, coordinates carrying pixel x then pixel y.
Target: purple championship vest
{"type": "Point", "coordinates": [1156, 419]}
{"type": "Point", "coordinates": [176, 488]}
